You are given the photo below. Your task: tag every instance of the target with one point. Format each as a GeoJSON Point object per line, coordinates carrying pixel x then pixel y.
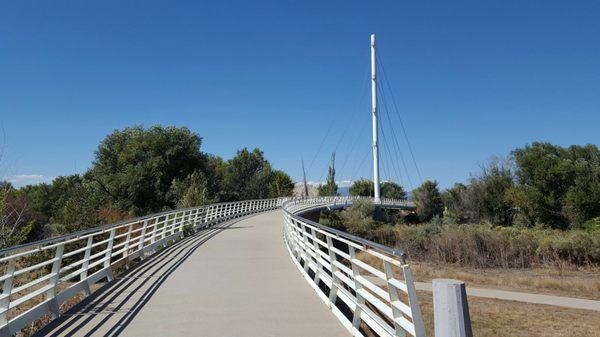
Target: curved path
{"type": "Point", "coordinates": [236, 279]}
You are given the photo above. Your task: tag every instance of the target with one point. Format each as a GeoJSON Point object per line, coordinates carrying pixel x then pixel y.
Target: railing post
{"type": "Point", "coordinates": [360, 301]}
{"type": "Point", "coordinates": [335, 281]}
{"type": "Point", "coordinates": [51, 293]}
{"type": "Point", "coordinates": [196, 217]}
{"type": "Point", "coordinates": [319, 269]}
{"type": "Point", "coordinates": [142, 239]}
{"type": "Point", "coordinates": [393, 292]}
{"type": "Point", "coordinates": [127, 242]}
{"type": "Point", "coordinates": [154, 231]}
{"type": "Point", "coordinates": [180, 224]}
{"type": "Point", "coordinates": [86, 258]}
{"type": "Point", "coordinates": [413, 302]}
{"type": "Point", "coordinates": [307, 256]}
{"type": "Point", "coordinates": [108, 256]}
{"type": "Point", "coordinates": [6, 291]}
{"type": "Point", "coordinates": [163, 234]}
{"type": "Point", "coordinates": [451, 309]}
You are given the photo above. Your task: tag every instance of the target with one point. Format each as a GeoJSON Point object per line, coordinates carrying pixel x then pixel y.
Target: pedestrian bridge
{"type": "Point", "coordinates": [250, 268]}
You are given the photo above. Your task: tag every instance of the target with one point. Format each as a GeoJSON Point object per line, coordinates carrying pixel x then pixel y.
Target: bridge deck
{"type": "Point", "coordinates": [234, 280]}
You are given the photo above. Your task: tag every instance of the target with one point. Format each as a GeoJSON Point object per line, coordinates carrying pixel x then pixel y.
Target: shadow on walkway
{"type": "Point", "coordinates": [111, 308]}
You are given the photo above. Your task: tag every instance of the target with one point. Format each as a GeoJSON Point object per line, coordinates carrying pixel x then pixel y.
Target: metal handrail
{"type": "Point", "coordinates": [43, 272]}
{"type": "Point", "coordinates": [108, 226]}
{"type": "Point", "coordinates": [340, 268]}
{"type": "Point", "coordinates": [52, 271]}
{"type": "Point", "coordinates": [328, 201]}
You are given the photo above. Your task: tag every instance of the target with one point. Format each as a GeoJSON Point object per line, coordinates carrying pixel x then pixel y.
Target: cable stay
{"type": "Point", "coordinates": [387, 82]}
{"type": "Point", "coordinates": [394, 167]}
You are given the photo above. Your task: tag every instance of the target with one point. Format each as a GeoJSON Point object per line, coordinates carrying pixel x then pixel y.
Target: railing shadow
{"type": "Point", "coordinates": [147, 277]}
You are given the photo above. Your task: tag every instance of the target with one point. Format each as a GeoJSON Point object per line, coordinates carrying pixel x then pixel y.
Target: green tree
{"type": "Point", "coordinates": [558, 186]}
{"type": "Point", "coordinates": [392, 190]}
{"type": "Point", "coordinates": [429, 201]}
{"type": "Point", "coordinates": [16, 218]}
{"type": "Point", "coordinates": [330, 187]}
{"type": "Point", "coordinates": [191, 191]}
{"type": "Point", "coordinates": [281, 185]}
{"type": "Point", "coordinates": [495, 182]}
{"type": "Point", "coordinates": [247, 176]}
{"type": "Point", "coordinates": [362, 187]}
{"type": "Point", "coordinates": [40, 198]}
{"type": "Point", "coordinates": [358, 219]}
{"type": "Point", "coordinates": [136, 167]}
{"type": "Point", "coordinates": [455, 203]}
{"type": "Point", "coordinates": [366, 188]}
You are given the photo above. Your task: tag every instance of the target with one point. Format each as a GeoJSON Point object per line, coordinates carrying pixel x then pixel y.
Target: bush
{"type": "Point", "coordinates": [484, 246]}
{"type": "Point", "coordinates": [474, 245]}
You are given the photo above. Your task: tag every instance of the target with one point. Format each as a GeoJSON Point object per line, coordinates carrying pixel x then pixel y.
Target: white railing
{"type": "Point", "coordinates": [296, 205]}
{"type": "Point", "coordinates": [366, 285]}
{"type": "Point", "coordinates": [40, 276]}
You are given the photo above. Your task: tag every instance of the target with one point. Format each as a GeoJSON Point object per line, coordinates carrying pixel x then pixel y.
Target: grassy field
{"type": "Point", "coordinates": [575, 282]}
{"type": "Point", "coordinates": [496, 318]}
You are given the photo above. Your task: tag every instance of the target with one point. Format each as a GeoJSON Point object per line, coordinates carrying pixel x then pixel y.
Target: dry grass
{"type": "Point", "coordinates": [496, 318]}
{"type": "Point", "coordinates": [499, 318]}
{"type": "Point", "coordinates": [580, 283]}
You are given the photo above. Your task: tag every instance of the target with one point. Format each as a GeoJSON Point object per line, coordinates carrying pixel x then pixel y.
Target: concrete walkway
{"type": "Point", "coordinates": [560, 301]}
{"type": "Point", "coordinates": [233, 280]}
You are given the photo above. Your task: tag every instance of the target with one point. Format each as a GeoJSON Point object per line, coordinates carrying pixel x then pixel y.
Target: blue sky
{"type": "Point", "coordinates": [471, 79]}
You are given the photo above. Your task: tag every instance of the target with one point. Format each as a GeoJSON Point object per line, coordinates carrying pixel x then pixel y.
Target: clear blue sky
{"type": "Point", "coordinates": [472, 79]}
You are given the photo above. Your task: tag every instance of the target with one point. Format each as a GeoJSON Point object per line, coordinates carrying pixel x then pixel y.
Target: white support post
{"type": "Point", "coordinates": [6, 291]}
{"type": "Point", "coordinates": [108, 256]}
{"type": "Point", "coordinates": [413, 302]}
{"type": "Point", "coordinates": [154, 231]}
{"type": "Point", "coordinates": [316, 247]}
{"type": "Point", "coordinates": [142, 239]}
{"type": "Point", "coordinates": [394, 297]}
{"type": "Point", "coordinates": [335, 281]}
{"type": "Point", "coordinates": [307, 256]}
{"type": "Point", "coordinates": [375, 124]}
{"type": "Point", "coordinates": [451, 309]}
{"type": "Point", "coordinates": [196, 219]}
{"type": "Point", "coordinates": [127, 243]}
{"type": "Point", "coordinates": [163, 235]}
{"type": "Point", "coordinates": [51, 293]}
{"type": "Point", "coordinates": [360, 300]}
{"type": "Point", "coordinates": [86, 258]}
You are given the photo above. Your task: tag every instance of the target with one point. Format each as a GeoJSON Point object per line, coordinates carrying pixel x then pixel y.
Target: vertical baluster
{"type": "Point", "coordinates": [51, 293]}
{"type": "Point", "coordinates": [394, 297]}
{"type": "Point", "coordinates": [127, 243]}
{"type": "Point", "coordinates": [86, 258]}
{"type": "Point", "coordinates": [194, 215]}
{"type": "Point", "coordinates": [180, 224]}
{"type": "Point", "coordinates": [143, 239]}
{"type": "Point", "coordinates": [335, 280]}
{"type": "Point", "coordinates": [154, 231]}
{"type": "Point", "coordinates": [319, 269]}
{"type": "Point", "coordinates": [163, 234]}
{"type": "Point", "coordinates": [307, 258]}
{"type": "Point", "coordinates": [413, 302]}
{"type": "Point", "coordinates": [108, 256]}
{"type": "Point", "coordinates": [6, 291]}
{"type": "Point", "coordinates": [360, 301]}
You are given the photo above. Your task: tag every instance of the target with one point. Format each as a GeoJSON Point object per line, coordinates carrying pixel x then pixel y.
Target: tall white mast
{"type": "Point", "coordinates": [375, 129]}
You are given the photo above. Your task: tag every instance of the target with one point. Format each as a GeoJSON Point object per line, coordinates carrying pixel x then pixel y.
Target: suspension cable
{"type": "Point", "coordinates": [399, 118]}
{"type": "Point", "coordinates": [396, 143]}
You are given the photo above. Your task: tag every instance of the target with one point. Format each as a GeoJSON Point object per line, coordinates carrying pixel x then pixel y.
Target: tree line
{"type": "Point", "coordinates": [538, 184]}
{"type": "Point", "coordinates": [136, 171]}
